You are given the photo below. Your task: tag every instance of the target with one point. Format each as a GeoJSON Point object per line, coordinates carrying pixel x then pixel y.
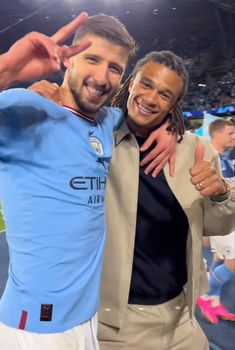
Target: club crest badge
{"type": "Point", "coordinates": [96, 144]}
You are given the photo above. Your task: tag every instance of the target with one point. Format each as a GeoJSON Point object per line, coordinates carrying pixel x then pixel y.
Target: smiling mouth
{"type": "Point", "coordinates": [96, 92]}
{"type": "Point", "coordinates": [144, 110]}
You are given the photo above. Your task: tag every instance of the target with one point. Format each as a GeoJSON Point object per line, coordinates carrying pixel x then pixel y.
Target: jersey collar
{"type": "Point", "coordinates": [80, 114]}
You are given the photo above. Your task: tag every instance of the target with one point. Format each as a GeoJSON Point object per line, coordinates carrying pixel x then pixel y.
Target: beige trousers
{"type": "Point", "coordinates": [82, 337]}
{"type": "Point", "coordinates": [162, 327]}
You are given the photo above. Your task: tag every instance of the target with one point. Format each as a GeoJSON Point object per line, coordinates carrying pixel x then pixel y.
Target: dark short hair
{"type": "Point", "coordinates": [168, 59]}
{"type": "Point", "coordinates": [109, 28]}
{"type": "Point", "coordinates": [218, 125]}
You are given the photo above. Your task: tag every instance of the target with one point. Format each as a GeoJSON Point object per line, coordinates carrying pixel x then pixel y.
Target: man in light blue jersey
{"type": "Point", "coordinates": [54, 163]}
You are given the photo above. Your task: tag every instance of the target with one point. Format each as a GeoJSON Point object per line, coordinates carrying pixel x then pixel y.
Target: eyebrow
{"type": "Point", "coordinates": [87, 54]}
{"type": "Point", "coordinates": [147, 80]}
{"type": "Point", "coordinates": [120, 68]}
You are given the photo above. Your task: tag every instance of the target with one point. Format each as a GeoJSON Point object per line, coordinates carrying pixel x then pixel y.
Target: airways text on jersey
{"type": "Point", "coordinates": [92, 186]}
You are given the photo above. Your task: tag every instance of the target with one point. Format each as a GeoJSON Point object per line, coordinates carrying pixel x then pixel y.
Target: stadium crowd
{"type": "Point", "coordinates": [211, 67]}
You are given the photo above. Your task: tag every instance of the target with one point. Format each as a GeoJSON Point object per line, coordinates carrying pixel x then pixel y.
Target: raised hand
{"type": "Point", "coordinates": [36, 55]}
{"type": "Point", "coordinates": [204, 176]}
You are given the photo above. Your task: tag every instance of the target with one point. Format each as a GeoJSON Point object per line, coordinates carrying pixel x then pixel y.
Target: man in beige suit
{"type": "Point", "coordinates": [153, 268]}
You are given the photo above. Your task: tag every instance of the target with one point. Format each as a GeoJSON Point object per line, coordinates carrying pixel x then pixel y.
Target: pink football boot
{"type": "Point", "coordinates": [207, 310]}
{"type": "Point", "coordinates": [223, 313]}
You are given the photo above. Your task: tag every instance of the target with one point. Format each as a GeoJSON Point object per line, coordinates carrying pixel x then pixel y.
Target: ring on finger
{"type": "Point", "coordinates": [200, 185]}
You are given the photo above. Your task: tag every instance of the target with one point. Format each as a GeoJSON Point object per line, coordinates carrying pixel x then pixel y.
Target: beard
{"type": "Point", "coordinates": [84, 106]}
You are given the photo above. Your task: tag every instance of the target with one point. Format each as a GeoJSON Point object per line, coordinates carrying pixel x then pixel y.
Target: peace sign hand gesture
{"type": "Point", "coordinates": [36, 55]}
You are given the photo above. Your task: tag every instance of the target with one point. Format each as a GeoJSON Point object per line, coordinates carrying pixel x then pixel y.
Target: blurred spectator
{"type": "Point", "coordinates": [222, 268]}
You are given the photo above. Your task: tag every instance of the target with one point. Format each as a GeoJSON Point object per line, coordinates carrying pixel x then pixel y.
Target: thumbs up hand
{"type": "Point", "coordinates": [204, 176]}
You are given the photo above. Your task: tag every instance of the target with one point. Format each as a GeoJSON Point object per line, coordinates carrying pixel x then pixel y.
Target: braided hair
{"type": "Point", "coordinates": [171, 61]}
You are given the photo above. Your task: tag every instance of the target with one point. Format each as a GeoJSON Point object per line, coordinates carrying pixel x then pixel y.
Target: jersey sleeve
{"type": "Point", "coordinates": [118, 117]}
{"type": "Point", "coordinates": [20, 110]}
{"type": "Point", "coordinates": [20, 105]}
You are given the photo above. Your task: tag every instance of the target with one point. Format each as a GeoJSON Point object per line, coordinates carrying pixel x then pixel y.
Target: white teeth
{"type": "Point", "coordinates": [94, 91]}
{"type": "Point", "coordinates": [145, 110]}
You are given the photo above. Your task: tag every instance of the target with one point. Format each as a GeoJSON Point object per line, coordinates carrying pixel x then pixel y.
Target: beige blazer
{"type": "Point", "coordinates": [204, 216]}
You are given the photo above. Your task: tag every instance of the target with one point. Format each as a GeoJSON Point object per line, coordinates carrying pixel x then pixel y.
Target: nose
{"type": "Point", "coordinates": [101, 74]}
{"type": "Point", "coordinates": [151, 98]}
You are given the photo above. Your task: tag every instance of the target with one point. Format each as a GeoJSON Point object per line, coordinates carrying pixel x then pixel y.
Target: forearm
{"type": "Point", "coordinates": [8, 75]}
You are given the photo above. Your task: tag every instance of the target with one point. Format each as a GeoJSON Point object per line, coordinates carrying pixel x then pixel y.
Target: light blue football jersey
{"type": "Point", "coordinates": [53, 171]}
